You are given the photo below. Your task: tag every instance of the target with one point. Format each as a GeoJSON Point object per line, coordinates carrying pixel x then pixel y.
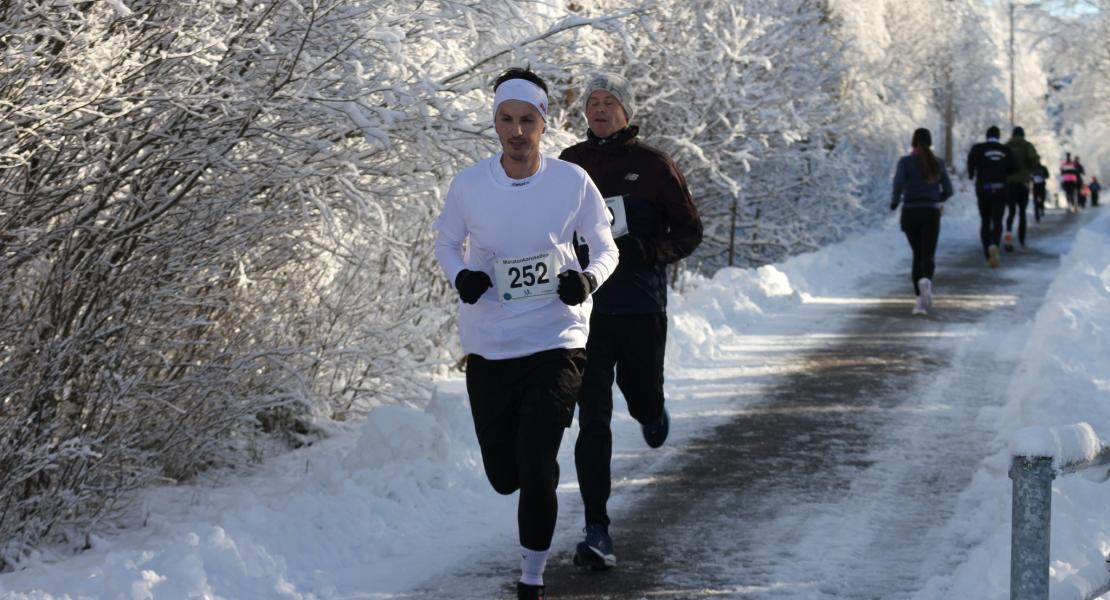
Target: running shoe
{"type": "Point", "coordinates": [597, 551]}
{"type": "Point", "coordinates": [529, 592]}
{"type": "Point", "coordinates": [656, 433]}
{"type": "Point", "coordinates": [1008, 241]}
{"type": "Point", "coordinates": [926, 287]}
{"type": "Point", "coordinates": [994, 258]}
{"type": "Point", "coordinates": [919, 306]}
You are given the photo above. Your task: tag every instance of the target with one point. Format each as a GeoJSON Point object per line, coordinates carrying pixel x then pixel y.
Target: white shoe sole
{"type": "Point", "coordinates": [593, 558]}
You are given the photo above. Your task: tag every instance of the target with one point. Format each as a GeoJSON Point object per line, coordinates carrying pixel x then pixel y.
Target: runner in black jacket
{"type": "Point", "coordinates": [989, 163]}
{"type": "Point", "coordinates": [628, 328]}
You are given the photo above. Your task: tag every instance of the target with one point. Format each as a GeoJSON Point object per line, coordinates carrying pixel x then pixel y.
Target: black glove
{"type": "Point", "coordinates": [575, 287]}
{"type": "Point", "coordinates": [893, 206]}
{"type": "Point", "coordinates": [633, 250]}
{"type": "Point", "coordinates": [471, 285]}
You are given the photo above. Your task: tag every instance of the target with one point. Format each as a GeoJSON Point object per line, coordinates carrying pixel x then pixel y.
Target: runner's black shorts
{"type": "Point", "coordinates": [538, 389]}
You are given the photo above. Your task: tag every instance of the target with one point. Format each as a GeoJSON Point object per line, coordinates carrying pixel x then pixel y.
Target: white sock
{"type": "Point", "coordinates": [532, 563]}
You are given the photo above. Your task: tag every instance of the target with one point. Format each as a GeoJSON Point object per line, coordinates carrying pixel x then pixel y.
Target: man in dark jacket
{"type": "Point", "coordinates": [655, 223]}
{"type": "Point", "coordinates": [989, 163]}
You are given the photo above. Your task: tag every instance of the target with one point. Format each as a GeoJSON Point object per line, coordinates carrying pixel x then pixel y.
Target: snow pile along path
{"type": "Point", "coordinates": [1063, 380]}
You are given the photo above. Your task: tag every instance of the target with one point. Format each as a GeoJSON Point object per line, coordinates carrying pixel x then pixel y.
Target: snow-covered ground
{"type": "Point", "coordinates": [391, 501]}
{"type": "Point", "coordinates": [1063, 379]}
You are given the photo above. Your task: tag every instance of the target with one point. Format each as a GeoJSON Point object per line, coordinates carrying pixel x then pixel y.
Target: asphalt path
{"type": "Point", "coordinates": [837, 482]}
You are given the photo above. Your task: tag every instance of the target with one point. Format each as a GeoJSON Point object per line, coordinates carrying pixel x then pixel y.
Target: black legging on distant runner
{"type": "Point", "coordinates": [1039, 193]}
{"type": "Point", "coordinates": [922, 228]}
{"type": "Point", "coordinates": [521, 407]}
{"type": "Point", "coordinates": [992, 205]}
{"type": "Point", "coordinates": [1018, 200]}
{"type": "Point", "coordinates": [1071, 192]}
{"type": "Point", "coordinates": [633, 346]}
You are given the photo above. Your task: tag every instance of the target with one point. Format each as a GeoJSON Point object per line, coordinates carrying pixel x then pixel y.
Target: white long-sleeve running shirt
{"type": "Point", "coordinates": [490, 219]}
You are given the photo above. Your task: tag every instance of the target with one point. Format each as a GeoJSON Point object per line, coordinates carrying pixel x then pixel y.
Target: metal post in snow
{"type": "Point", "coordinates": [1029, 533]}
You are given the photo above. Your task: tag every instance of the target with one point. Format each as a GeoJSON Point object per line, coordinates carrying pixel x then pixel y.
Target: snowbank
{"type": "Point", "coordinates": [1063, 380]}
{"type": "Point", "coordinates": [315, 523]}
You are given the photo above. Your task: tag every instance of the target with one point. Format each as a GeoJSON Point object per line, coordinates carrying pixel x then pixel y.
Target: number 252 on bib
{"type": "Point", "coordinates": [525, 277]}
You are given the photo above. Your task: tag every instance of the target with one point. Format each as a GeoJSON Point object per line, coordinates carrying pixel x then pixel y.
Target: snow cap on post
{"type": "Point", "coordinates": [523, 90]}
{"type": "Point", "coordinates": [615, 85]}
{"type": "Point", "coordinates": [1068, 445]}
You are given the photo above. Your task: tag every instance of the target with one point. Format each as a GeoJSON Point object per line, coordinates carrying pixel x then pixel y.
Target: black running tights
{"type": "Point", "coordinates": [1018, 201]}
{"type": "Point", "coordinates": [521, 407]}
{"type": "Point", "coordinates": [922, 228]}
{"type": "Point", "coordinates": [632, 348]}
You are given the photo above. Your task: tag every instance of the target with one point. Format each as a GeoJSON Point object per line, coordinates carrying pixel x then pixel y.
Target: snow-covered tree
{"type": "Point", "coordinates": [215, 225]}
{"type": "Point", "coordinates": [1074, 37]}
{"type": "Point", "coordinates": [744, 96]}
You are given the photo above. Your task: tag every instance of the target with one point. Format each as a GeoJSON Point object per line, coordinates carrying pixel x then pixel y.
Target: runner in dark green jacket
{"type": "Point", "coordinates": [1017, 186]}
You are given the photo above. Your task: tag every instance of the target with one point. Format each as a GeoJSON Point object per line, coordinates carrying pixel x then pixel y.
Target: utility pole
{"type": "Point", "coordinates": [949, 107]}
{"type": "Point", "coordinates": [1011, 65]}
{"type": "Point", "coordinates": [949, 113]}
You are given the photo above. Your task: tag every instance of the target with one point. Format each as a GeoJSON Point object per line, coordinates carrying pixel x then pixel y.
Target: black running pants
{"type": "Point", "coordinates": [992, 205]}
{"type": "Point", "coordinates": [1039, 193]}
{"type": "Point", "coordinates": [1017, 200]}
{"type": "Point", "coordinates": [1071, 192]}
{"type": "Point", "coordinates": [922, 229]}
{"type": "Point", "coordinates": [521, 407]}
{"type": "Point", "coordinates": [633, 346]}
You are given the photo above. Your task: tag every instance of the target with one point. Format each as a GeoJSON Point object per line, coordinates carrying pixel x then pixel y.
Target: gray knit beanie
{"type": "Point", "coordinates": [615, 85]}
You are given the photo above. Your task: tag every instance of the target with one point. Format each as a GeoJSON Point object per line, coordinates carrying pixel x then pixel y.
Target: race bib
{"type": "Point", "coordinates": [526, 277]}
{"type": "Point", "coordinates": [618, 222]}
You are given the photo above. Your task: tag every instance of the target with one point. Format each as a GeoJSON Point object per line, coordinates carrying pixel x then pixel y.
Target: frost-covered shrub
{"type": "Point", "coordinates": [215, 228]}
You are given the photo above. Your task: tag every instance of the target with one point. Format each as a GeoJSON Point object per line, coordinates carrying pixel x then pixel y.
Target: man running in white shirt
{"type": "Point", "coordinates": [505, 238]}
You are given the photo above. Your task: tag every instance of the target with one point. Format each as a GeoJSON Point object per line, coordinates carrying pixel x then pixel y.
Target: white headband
{"type": "Point", "coordinates": [523, 90]}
